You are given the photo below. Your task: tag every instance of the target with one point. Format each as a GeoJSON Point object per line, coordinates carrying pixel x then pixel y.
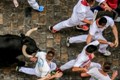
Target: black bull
{"type": "Point", "coordinates": [11, 47]}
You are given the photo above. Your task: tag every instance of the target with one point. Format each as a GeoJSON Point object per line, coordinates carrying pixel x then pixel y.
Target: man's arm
{"type": "Point", "coordinates": [115, 33]}
{"type": "Point", "coordinates": [79, 69]}
{"type": "Point", "coordinates": [87, 21]}
{"type": "Point", "coordinates": [89, 38]}
{"type": "Point", "coordinates": [105, 6]}
{"type": "Point", "coordinates": [114, 75]}
{"type": "Point", "coordinates": [85, 75]}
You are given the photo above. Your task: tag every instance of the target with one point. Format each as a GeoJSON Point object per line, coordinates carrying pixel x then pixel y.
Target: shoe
{"type": "Point", "coordinates": [107, 53]}
{"type": "Point", "coordinates": [117, 20]}
{"type": "Point", "coordinates": [51, 29]}
{"type": "Point", "coordinates": [41, 8]}
{"type": "Point", "coordinates": [67, 42]}
{"type": "Point", "coordinates": [82, 27]}
{"type": "Point", "coordinates": [17, 68]}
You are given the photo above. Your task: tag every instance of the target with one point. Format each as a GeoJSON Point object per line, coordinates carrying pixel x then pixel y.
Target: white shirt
{"type": "Point", "coordinates": [94, 30]}
{"type": "Point", "coordinates": [94, 64]}
{"type": "Point", "coordinates": [83, 58]}
{"type": "Point", "coordinates": [94, 72]}
{"type": "Point", "coordinates": [80, 11]}
{"type": "Point", "coordinates": [42, 67]}
{"type": "Point", "coordinates": [52, 66]}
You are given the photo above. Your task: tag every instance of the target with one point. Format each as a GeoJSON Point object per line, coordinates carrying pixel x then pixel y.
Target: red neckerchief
{"type": "Point", "coordinates": [84, 2]}
{"type": "Point", "coordinates": [90, 58]}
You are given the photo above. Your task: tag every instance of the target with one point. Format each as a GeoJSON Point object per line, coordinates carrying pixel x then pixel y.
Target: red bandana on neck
{"type": "Point", "coordinates": [84, 2]}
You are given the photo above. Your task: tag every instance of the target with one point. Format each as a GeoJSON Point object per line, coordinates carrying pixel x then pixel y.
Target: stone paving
{"type": "Point", "coordinates": [15, 21]}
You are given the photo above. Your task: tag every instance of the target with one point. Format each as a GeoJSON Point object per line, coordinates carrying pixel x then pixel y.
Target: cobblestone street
{"type": "Point", "coordinates": [15, 21]}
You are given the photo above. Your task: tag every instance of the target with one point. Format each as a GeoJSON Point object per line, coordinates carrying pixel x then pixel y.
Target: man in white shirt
{"type": "Point", "coordinates": [82, 59]}
{"type": "Point", "coordinates": [81, 16]}
{"type": "Point", "coordinates": [96, 33]}
{"type": "Point", "coordinates": [33, 3]}
{"type": "Point", "coordinates": [100, 73]}
{"type": "Point", "coordinates": [43, 66]}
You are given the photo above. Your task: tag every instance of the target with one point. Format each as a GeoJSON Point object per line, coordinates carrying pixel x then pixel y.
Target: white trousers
{"type": "Point", "coordinates": [30, 71]}
{"type": "Point", "coordinates": [33, 4]}
{"type": "Point", "coordinates": [72, 21]}
{"type": "Point", "coordinates": [68, 65]}
{"type": "Point", "coordinates": [82, 38]}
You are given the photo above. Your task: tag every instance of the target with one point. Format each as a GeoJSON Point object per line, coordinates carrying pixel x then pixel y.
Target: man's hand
{"type": "Point", "coordinates": [45, 78]}
{"type": "Point", "coordinates": [84, 70]}
{"type": "Point", "coordinates": [58, 74]}
{"type": "Point", "coordinates": [105, 7]}
{"type": "Point", "coordinates": [114, 75]}
{"type": "Point", "coordinates": [111, 44]}
{"type": "Point", "coordinates": [116, 43]}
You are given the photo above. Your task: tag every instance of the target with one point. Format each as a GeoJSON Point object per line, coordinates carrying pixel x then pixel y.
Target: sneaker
{"type": "Point", "coordinates": [107, 53]}
{"type": "Point", "coordinates": [16, 4]}
{"type": "Point", "coordinates": [117, 20]}
{"type": "Point", "coordinates": [17, 68]}
{"type": "Point", "coordinates": [67, 42]}
{"type": "Point", "coordinates": [82, 27]}
{"type": "Point", "coordinates": [51, 29]}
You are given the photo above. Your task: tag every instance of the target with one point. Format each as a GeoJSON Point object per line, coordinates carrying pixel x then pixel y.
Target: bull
{"type": "Point", "coordinates": [12, 46]}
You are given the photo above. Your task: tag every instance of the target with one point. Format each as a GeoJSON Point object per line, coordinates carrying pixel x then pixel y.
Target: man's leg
{"type": "Point", "coordinates": [96, 8]}
{"type": "Point", "coordinates": [33, 4]}
{"type": "Point", "coordinates": [30, 71]}
{"type": "Point", "coordinates": [64, 24]}
{"type": "Point", "coordinates": [78, 39]}
{"type": "Point", "coordinates": [67, 65]}
{"type": "Point", "coordinates": [103, 47]}
{"type": "Point", "coordinates": [85, 26]}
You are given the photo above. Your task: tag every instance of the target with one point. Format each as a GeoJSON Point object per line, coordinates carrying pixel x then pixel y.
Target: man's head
{"type": "Point", "coordinates": [91, 49]}
{"type": "Point", "coordinates": [101, 22]}
{"type": "Point", "coordinates": [50, 55]}
{"type": "Point", "coordinates": [91, 2]}
{"type": "Point", "coordinates": [106, 66]}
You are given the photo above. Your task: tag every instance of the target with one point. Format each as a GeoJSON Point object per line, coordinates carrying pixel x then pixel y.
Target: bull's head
{"type": "Point", "coordinates": [29, 45]}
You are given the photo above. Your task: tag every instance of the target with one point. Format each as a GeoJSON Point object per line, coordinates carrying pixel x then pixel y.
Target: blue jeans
{"type": "Point", "coordinates": [100, 9]}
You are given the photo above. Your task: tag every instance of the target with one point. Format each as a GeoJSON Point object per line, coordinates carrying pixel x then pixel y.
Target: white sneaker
{"type": "Point", "coordinates": [67, 42]}
{"type": "Point", "coordinates": [16, 3]}
{"type": "Point", "coordinates": [117, 20]}
{"type": "Point", "coordinates": [107, 53]}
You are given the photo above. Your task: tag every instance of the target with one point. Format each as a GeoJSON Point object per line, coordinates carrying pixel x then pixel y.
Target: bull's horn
{"type": "Point", "coordinates": [30, 31]}
{"type": "Point", "coordinates": [24, 52]}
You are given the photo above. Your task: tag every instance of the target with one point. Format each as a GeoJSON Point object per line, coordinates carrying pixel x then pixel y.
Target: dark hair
{"type": "Point", "coordinates": [51, 52]}
{"type": "Point", "coordinates": [106, 66]}
{"type": "Point", "coordinates": [90, 1]}
{"type": "Point", "coordinates": [91, 48]}
{"type": "Point", "coordinates": [102, 21]}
